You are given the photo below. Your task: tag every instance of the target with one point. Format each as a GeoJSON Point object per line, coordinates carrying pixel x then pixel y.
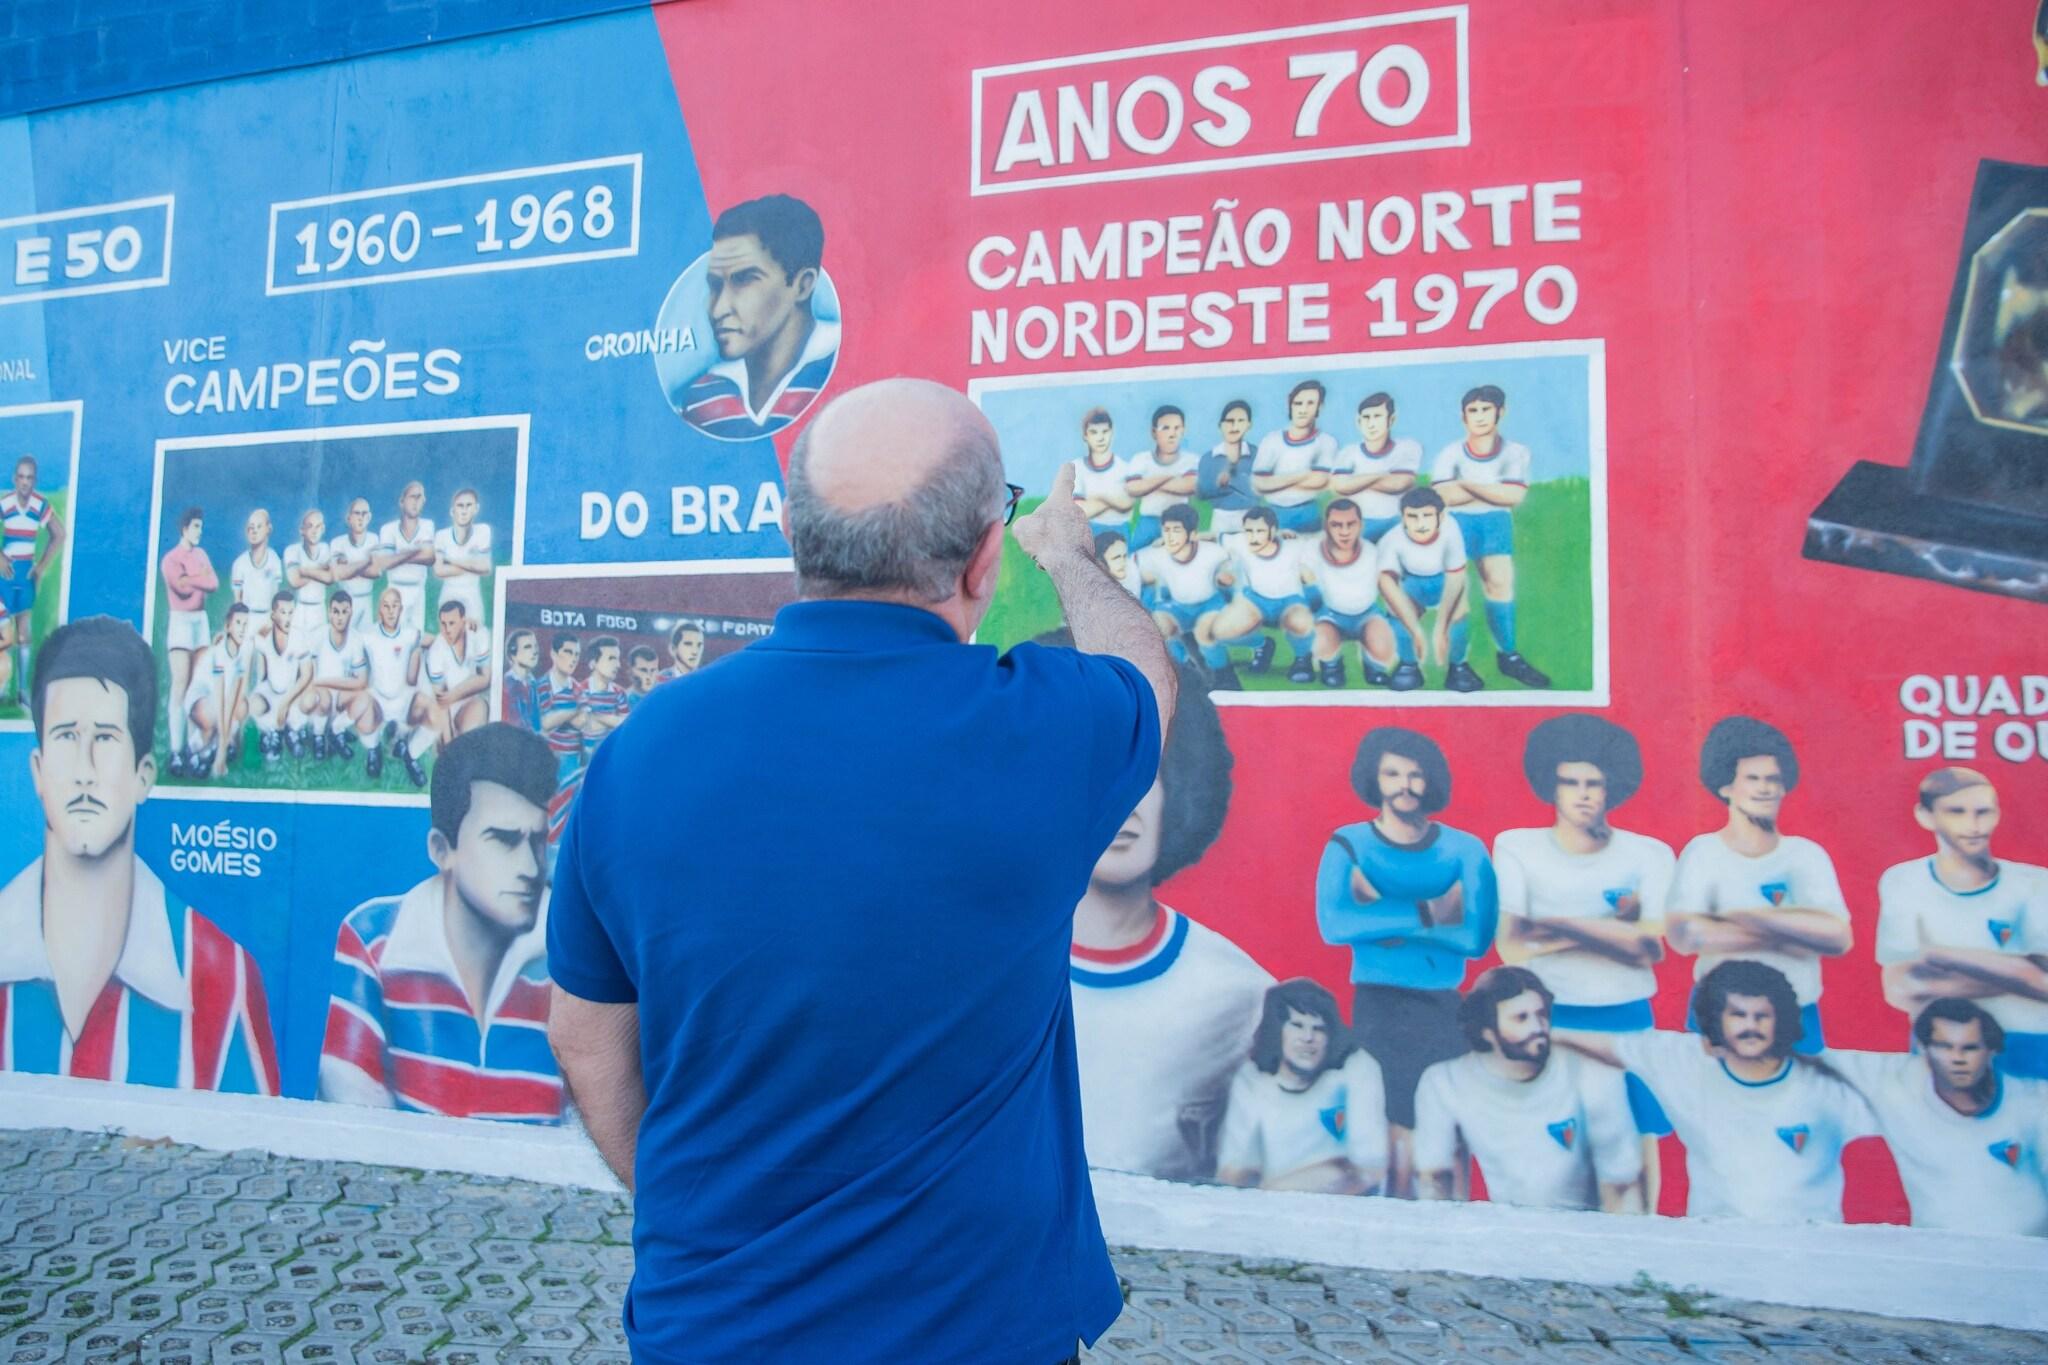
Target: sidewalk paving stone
{"type": "Point", "coordinates": [120, 1252]}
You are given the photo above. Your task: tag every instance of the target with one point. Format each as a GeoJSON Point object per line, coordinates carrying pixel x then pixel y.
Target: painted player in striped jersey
{"type": "Point", "coordinates": [1307, 1110]}
{"type": "Point", "coordinates": [1164, 1007]}
{"type": "Point", "coordinates": [405, 554]}
{"type": "Point", "coordinates": [103, 972]}
{"type": "Point", "coordinates": [519, 699]}
{"type": "Point", "coordinates": [458, 668]}
{"type": "Point", "coordinates": [462, 556]}
{"type": "Point", "coordinates": [258, 572]}
{"type": "Point", "coordinates": [1963, 923]}
{"type": "Point", "coordinates": [1378, 468]}
{"type": "Point", "coordinates": [26, 518]}
{"type": "Point", "coordinates": [188, 578]}
{"type": "Point", "coordinates": [1272, 590]}
{"type": "Point", "coordinates": [1483, 478]}
{"type": "Point", "coordinates": [604, 699]}
{"type": "Point", "coordinates": [1161, 478]}
{"type": "Point", "coordinates": [440, 994]}
{"type": "Point", "coordinates": [309, 573]}
{"type": "Point", "coordinates": [280, 682]}
{"type": "Point", "coordinates": [352, 559]}
{"type": "Point", "coordinates": [562, 714]}
{"type": "Point", "coordinates": [643, 674]}
{"type": "Point", "coordinates": [776, 353]}
{"type": "Point", "coordinates": [1421, 566]}
{"type": "Point", "coordinates": [1099, 475]}
{"type": "Point", "coordinates": [686, 648]}
{"type": "Point", "coordinates": [1288, 471]}
{"type": "Point", "coordinates": [217, 702]}
{"type": "Point", "coordinates": [340, 708]}
{"type": "Point", "coordinates": [1345, 586]}
{"type": "Point", "coordinates": [1188, 578]}
{"type": "Point", "coordinates": [410, 728]}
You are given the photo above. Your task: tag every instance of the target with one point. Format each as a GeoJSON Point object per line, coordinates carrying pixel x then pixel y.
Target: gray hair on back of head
{"type": "Point", "coordinates": [919, 543]}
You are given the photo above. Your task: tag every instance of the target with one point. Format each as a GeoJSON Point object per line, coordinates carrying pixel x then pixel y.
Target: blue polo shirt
{"type": "Point", "coordinates": [838, 870]}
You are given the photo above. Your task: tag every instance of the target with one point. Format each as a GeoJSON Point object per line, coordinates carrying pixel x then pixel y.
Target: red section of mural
{"type": "Point", "coordinates": [1769, 219]}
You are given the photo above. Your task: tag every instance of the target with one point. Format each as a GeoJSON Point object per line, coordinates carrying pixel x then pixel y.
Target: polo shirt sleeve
{"type": "Point", "coordinates": [582, 958]}
{"type": "Point", "coordinates": [1123, 756]}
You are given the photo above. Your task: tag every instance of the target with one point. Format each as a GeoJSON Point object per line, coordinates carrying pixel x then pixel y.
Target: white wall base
{"type": "Point", "coordinates": [1865, 1268]}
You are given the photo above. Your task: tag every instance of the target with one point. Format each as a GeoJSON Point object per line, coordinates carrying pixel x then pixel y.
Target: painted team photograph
{"type": "Point", "coordinates": [582, 651]}
{"type": "Point", "coordinates": [1416, 529]}
{"type": "Point", "coordinates": [321, 603]}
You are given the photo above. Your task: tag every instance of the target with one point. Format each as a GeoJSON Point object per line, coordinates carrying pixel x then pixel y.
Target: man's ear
{"type": "Point", "coordinates": [984, 565]}
{"type": "Point", "coordinates": [806, 281]}
{"type": "Point", "coordinates": [439, 849]}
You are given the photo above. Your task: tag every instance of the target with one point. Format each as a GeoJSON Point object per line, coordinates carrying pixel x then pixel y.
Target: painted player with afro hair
{"type": "Point", "coordinates": [1164, 1007]}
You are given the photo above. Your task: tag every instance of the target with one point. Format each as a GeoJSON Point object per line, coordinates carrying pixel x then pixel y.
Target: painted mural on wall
{"type": "Point", "coordinates": [1561, 812]}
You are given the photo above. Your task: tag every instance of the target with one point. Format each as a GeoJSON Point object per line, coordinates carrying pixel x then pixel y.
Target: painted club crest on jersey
{"type": "Point", "coordinates": [1613, 894]}
{"type": "Point", "coordinates": [2008, 1151]}
{"type": "Point", "coordinates": [1796, 1137]}
{"type": "Point", "coordinates": [2001, 930]}
{"type": "Point", "coordinates": [1777, 893]}
{"type": "Point", "coordinates": [1333, 1118]}
{"type": "Point", "coordinates": [1565, 1132]}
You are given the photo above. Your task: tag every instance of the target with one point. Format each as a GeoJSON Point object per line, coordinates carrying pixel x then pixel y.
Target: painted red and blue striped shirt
{"type": "Point", "coordinates": [403, 1033]}
{"type": "Point", "coordinates": [22, 519]}
{"type": "Point", "coordinates": [185, 1006]}
{"type": "Point", "coordinates": [717, 402]}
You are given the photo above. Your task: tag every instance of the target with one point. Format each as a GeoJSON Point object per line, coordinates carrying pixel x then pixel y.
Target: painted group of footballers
{"type": "Point", "coordinates": [313, 651]}
{"type": "Point", "coordinates": [1329, 544]}
{"type": "Point", "coordinates": [575, 713]}
{"type": "Point", "coordinates": [1548, 1069]}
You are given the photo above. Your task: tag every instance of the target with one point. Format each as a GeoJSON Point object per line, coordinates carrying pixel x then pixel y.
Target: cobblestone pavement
{"type": "Point", "coordinates": [116, 1249]}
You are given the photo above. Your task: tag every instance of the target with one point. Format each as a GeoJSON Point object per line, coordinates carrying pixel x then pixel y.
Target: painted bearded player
{"type": "Point", "coordinates": [1164, 1007]}
{"type": "Point", "coordinates": [1969, 1137]}
{"type": "Point", "coordinates": [1763, 1135]}
{"type": "Point", "coordinates": [1749, 890]}
{"type": "Point", "coordinates": [440, 995]}
{"type": "Point", "coordinates": [104, 972]}
{"type": "Point", "coordinates": [1582, 902]}
{"type": "Point", "coordinates": [1965, 924]}
{"type": "Point", "coordinates": [1307, 1110]}
{"type": "Point", "coordinates": [1549, 1129]}
{"type": "Point", "coordinates": [1414, 900]}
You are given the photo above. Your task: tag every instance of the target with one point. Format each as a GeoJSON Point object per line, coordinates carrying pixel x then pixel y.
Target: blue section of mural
{"type": "Point", "coordinates": [248, 285]}
{"type": "Point", "coordinates": [59, 52]}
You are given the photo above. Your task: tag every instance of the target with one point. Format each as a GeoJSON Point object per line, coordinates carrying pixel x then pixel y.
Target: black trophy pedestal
{"type": "Point", "coordinates": [1971, 510]}
{"type": "Point", "coordinates": [1876, 519]}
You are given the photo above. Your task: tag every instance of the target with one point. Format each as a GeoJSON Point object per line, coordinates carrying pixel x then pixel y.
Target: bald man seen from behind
{"type": "Point", "coordinates": [810, 990]}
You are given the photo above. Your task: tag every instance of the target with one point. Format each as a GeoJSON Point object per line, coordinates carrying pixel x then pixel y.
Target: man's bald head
{"type": "Point", "coordinates": [891, 488]}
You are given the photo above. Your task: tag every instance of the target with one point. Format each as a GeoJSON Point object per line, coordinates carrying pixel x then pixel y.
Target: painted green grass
{"type": "Point", "coordinates": [1553, 595]}
{"type": "Point", "coordinates": [285, 773]}
{"type": "Point", "coordinates": [45, 613]}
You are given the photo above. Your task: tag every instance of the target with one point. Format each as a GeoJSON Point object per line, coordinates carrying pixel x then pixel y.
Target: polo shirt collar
{"type": "Point", "coordinates": [853, 625]}
{"type": "Point", "coordinates": [419, 943]}
{"type": "Point", "coordinates": [148, 963]}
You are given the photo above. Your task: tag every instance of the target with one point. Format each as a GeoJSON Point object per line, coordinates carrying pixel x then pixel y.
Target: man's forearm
{"type": "Point", "coordinates": [1106, 619]}
{"type": "Point", "coordinates": [597, 1047]}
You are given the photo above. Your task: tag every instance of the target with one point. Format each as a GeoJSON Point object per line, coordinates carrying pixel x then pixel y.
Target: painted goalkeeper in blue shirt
{"type": "Point", "coordinates": [1415, 902]}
